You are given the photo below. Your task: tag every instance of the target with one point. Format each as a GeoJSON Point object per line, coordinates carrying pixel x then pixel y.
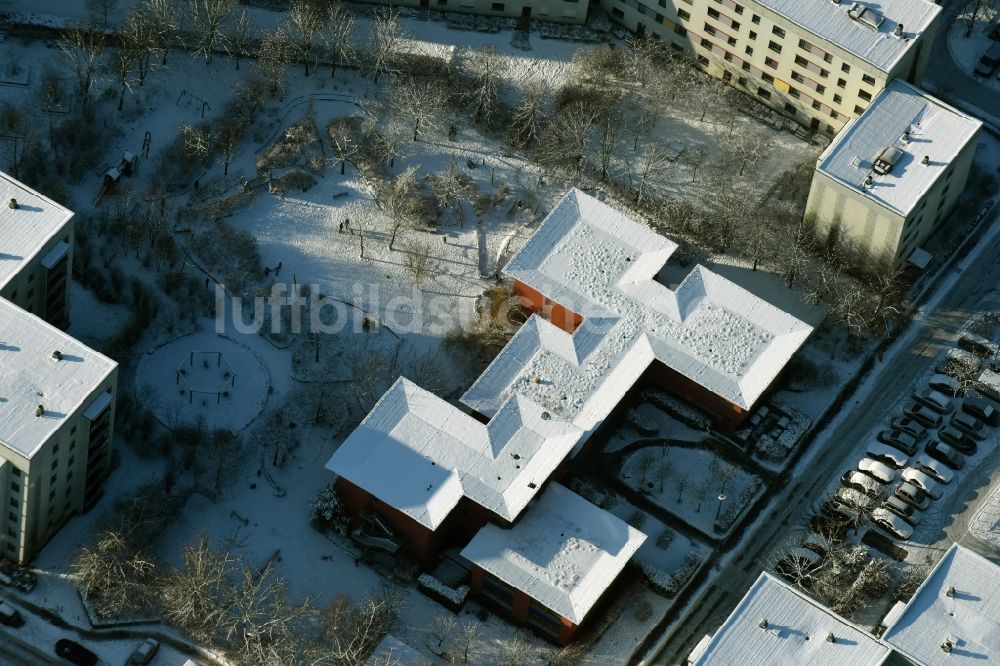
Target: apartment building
{"type": "Point", "coordinates": [556, 11]}
{"type": "Point", "coordinates": [819, 61]}
{"type": "Point", "coordinates": [892, 176]}
{"type": "Point", "coordinates": [56, 394]}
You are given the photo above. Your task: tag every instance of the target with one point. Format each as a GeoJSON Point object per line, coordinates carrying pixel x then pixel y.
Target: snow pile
{"type": "Point", "coordinates": [641, 424]}
{"type": "Point", "coordinates": [451, 597]}
{"type": "Point", "coordinates": [672, 582]}
{"type": "Point", "coordinates": [679, 409]}
{"type": "Point", "coordinates": [735, 507]}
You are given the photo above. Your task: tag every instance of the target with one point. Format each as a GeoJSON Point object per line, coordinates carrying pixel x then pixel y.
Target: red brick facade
{"type": "Point", "coordinates": [533, 301]}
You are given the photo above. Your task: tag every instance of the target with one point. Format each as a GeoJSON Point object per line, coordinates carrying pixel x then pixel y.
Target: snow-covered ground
{"type": "Point", "coordinates": [967, 50]}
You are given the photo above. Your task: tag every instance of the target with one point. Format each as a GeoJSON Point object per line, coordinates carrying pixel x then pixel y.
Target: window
{"type": "Point", "coordinates": [497, 6]}
{"type": "Point", "coordinates": [753, 35]}
{"type": "Point", "coordinates": [714, 13]}
{"type": "Point", "coordinates": [680, 30]}
{"type": "Point", "coordinates": [735, 24]}
{"type": "Point", "coordinates": [703, 60]}
{"type": "Point", "coordinates": [798, 77]}
{"type": "Point", "coordinates": [763, 92]}
{"type": "Point", "coordinates": [742, 81]}
{"type": "Point", "coordinates": [858, 110]}
{"type": "Point", "coordinates": [55, 463]}
{"type": "Point", "coordinates": [801, 62]}
{"type": "Point", "coordinates": [10, 547]}
{"type": "Point", "coordinates": [804, 45]}
{"type": "Point", "coordinates": [823, 73]}
{"type": "Point", "coordinates": [870, 80]}
{"type": "Point", "coordinates": [728, 58]}
{"type": "Point", "coordinates": [838, 99]}
{"type": "Point", "coordinates": [865, 95]}
{"type": "Point", "coordinates": [749, 50]}
{"type": "Point", "coordinates": [745, 66]}
{"type": "Point", "coordinates": [738, 8]}
{"type": "Point", "coordinates": [727, 76]}
{"type": "Point", "coordinates": [834, 114]}
{"type": "Point", "coordinates": [11, 533]}
{"type": "Point", "coordinates": [12, 516]}
{"type": "Point", "coordinates": [790, 108]}
{"type": "Point", "coordinates": [55, 449]}
{"type": "Point", "coordinates": [15, 472]}
{"type": "Point", "coordinates": [708, 29]}
{"type": "Point", "coordinates": [774, 46]}
{"type": "Point", "coordinates": [793, 92]}
{"type": "Point", "coordinates": [53, 479]}
{"type": "Point", "coordinates": [16, 488]}
{"type": "Point", "coordinates": [820, 89]}
{"type": "Point", "coordinates": [841, 83]}
{"type": "Point", "coordinates": [618, 13]}
{"type": "Point", "coordinates": [13, 502]}
{"type": "Point", "coordinates": [767, 77]}
{"type": "Point", "coordinates": [731, 41]}
{"type": "Point", "coordinates": [681, 14]}
{"type": "Point", "coordinates": [816, 105]}
{"type": "Point", "coordinates": [707, 44]}
{"type": "Point", "coordinates": [771, 62]}
{"type": "Point", "coordinates": [827, 57]}
{"type": "Point", "coordinates": [845, 68]}
{"type": "Point", "coordinates": [780, 32]}
{"type": "Point", "coordinates": [755, 19]}
{"type": "Point", "coordinates": [52, 494]}
{"type": "Point", "coordinates": [442, 2]}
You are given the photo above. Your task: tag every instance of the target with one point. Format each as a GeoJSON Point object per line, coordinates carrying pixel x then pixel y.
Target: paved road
{"type": "Point", "coordinates": [948, 79]}
{"type": "Point", "coordinates": [910, 357]}
{"type": "Point", "coordinates": [16, 652]}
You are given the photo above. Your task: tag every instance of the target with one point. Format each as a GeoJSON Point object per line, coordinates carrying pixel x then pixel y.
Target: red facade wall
{"type": "Point", "coordinates": [519, 609]}
{"type": "Point", "coordinates": [533, 301]}
{"type": "Point", "coordinates": [725, 415]}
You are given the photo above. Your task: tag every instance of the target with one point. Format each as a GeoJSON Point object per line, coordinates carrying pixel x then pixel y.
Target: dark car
{"type": "Point", "coordinates": [898, 439]}
{"type": "Point", "coordinates": [981, 408]}
{"type": "Point", "coordinates": [74, 652]}
{"type": "Point", "coordinates": [924, 414]}
{"type": "Point", "coordinates": [903, 510]}
{"type": "Point", "coordinates": [909, 426]}
{"type": "Point", "coordinates": [958, 439]}
{"type": "Point", "coordinates": [945, 454]}
{"type": "Point", "coordinates": [969, 424]}
{"type": "Point", "coordinates": [10, 615]}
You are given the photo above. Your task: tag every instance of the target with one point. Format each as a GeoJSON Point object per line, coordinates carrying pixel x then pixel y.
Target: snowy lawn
{"type": "Point", "coordinates": [687, 483]}
{"type": "Point", "coordinates": [968, 50]}
{"type": "Point", "coordinates": [647, 421]}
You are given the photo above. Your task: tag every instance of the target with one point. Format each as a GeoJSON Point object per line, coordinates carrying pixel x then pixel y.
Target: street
{"type": "Point", "coordinates": [16, 652]}
{"type": "Point", "coordinates": [788, 513]}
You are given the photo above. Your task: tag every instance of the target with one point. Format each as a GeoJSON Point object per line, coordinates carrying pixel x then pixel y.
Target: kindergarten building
{"type": "Point", "coordinates": [56, 394]}
{"type": "Point", "coordinates": [432, 476]}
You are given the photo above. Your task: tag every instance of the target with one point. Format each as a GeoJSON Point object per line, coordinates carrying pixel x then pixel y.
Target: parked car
{"type": "Point", "coordinates": [877, 470]}
{"type": "Point", "coordinates": [74, 652]}
{"type": "Point", "coordinates": [945, 453]}
{"type": "Point", "coordinates": [924, 414]}
{"type": "Point", "coordinates": [903, 510]}
{"type": "Point", "coordinates": [880, 542]}
{"type": "Point", "coordinates": [988, 384]}
{"type": "Point", "coordinates": [958, 439]}
{"type": "Point", "coordinates": [936, 400]}
{"type": "Point", "coordinates": [892, 524]}
{"type": "Point", "coordinates": [861, 482]}
{"type": "Point", "coordinates": [10, 615]}
{"type": "Point", "coordinates": [797, 565]}
{"type": "Point", "coordinates": [852, 498]}
{"type": "Point", "coordinates": [839, 511]}
{"type": "Point", "coordinates": [913, 495]}
{"type": "Point", "coordinates": [890, 455]}
{"type": "Point", "coordinates": [933, 468]}
{"type": "Point", "coordinates": [945, 384]}
{"type": "Point", "coordinates": [923, 481]}
{"type": "Point", "coordinates": [900, 440]}
{"type": "Point", "coordinates": [981, 408]}
{"type": "Point", "coordinates": [988, 62]}
{"type": "Point", "coordinates": [144, 653]}
{"type": "Point", "coordinates": [971, 342]}
{"type": "Point", "coordinates": [969, 424]}
{"type": "Point", "coordinates": [909, 426]}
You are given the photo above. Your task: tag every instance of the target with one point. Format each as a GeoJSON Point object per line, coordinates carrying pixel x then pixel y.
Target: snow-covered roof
{"type": "Point", "coordinates": [25, 230]}
{"type": "Point", "coordinates": [600, 264]}
{"type": "Point", "coordinates": [871, 38]}
{"type": "Point", "coordinates": [797, 631]}
{"type": "Point", "coordinates": [30, 376]}
{"type": "Point", "coordinates": [969, 615]}
{"type": "Point", "coordinates": [935, 129]}
{"type": "Point", "coordinates": [421, 455]}
{"type": "Point", "coordinates": [564, 553]}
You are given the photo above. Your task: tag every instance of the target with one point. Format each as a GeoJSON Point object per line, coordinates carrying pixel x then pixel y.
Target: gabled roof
{"type": "Point", "coordinates": [595, 261]}
{"type": "Point", "coordinates": [970, 614]}
{"type": "Point", "coordinates": [30, 376]}
{"type": "Point", "coordinates": [935, 130]}
{"type": "Point", "coordinates": [564, 553]}
{"type": "Point", "coordinates": [421, 455]}
{"type": "Point", "coordinates": [796, 632]}
{"type": "Point", "coordinates": [25, 230]}
{"type": "Point", "coordinates": [877, 46]}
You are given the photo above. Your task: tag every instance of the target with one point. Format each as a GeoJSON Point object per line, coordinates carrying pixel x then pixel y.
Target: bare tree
{"type": "Point", "coordinates": [746, 149]}
{"type": "Point", "coordinates": [422, 100]}
{"type": "Point", "coordinates": [385, 144]}
{"type": "Point", "coordinates": [799, 241]}
{"type": "Point", "coordinates": [345, 148]}
{"type": "Point", "coordinates": [702, 491]}
{"type": "Point", "coordinates": [483, 70]}
{"type": "Point", "coordinates": [124, 61]}
{"type": "Point", "coordinates": [338, 29]}
{"type": "Point", "coordinates": [240, 38]}
{"type": "Point", "coordinates": [272, 58]}
{"type": "Point", "coordinates": [101, 11]}
{"type": "Point", "coordinates": [694, 157]}
{"type": "Point", "coordinates": [566, 139]}
{"type": "Point", "coordinates": [208, 23]}
{"type": "Point", "coordinates": [451, 187]}
{"type": "Point", "coordinates": [514, 652]}
{"type": "Point", "coordinates": [305, 31]}
{"type": "Point", "coordinates": [974, 9]}
{"type": "Point", "coordinates": [113, 576]}
{"type": "Point", "coordinates": [83, 48]}
{"type": "Point", "coordinates": [351, 632]}
{"type": "Point", "coordinates": [663, 472]}
{"type": "Point", "coordinates": [384, 43]}
{"type": "Point", "coordinates": [419, 261]}
{"type": "Point", "coordinates": [443, 628]}
{"type": "Point", "coordinates": [529, 113]}
{"type": "Point", "coordinates": [163, 17]}
{"type": "Point", "coordinates": [610, 122]}
{"type": "Point", "coordinates": [757, 235]}
{"type": "Point", "coordinates": [397, 199]}
{"type": "Point", "coordinates": [655, 163]}
{"type": "Point", "coordinates": [138, 37]}
{"type": "Point", "coordinates": [469, 634]}
{"type": "Point", "coordinates": [196, 141]}
{"type": "Point", "coordinates": [228, 137]}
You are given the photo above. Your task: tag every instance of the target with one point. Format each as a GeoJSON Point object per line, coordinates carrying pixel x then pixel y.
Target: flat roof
{"type": "Point", "coordinates": [935, 130]}
{"type": "Point", "coordinates": [564, 553]}
{"type": "Point", "coordinates": [959, 601]}
{"type": "Point", "coordinates": [595, 261]}
{"type": "Point", "coordinates": [30, 376]}
{"type": "Point", "coordinates": [421, 455]}
{"type": "Point", "coordinates": [25, 230]}
{"type": "Point", "coordinates": [878, 46]}
{"type": "Point", "coordinates": [797, 631]}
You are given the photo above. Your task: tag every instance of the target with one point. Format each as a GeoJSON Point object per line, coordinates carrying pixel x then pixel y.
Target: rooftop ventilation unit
{"type": "Point", "coordinates": [12, 203]}
{"type": "Point", "coordinates": [887, 160]}
{"type": "Point", "coordinates": [865, 16]}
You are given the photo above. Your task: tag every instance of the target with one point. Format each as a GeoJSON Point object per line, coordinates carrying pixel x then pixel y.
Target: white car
{"type": "Point", "coordinates": [933, 468]}
{"type": "Point", "coordinates": [892, 524]}
{"type": "Point", "coordinates": [877, 470]}
{"type": "Point", "coordinates": [859, 481]}
{"type": "Point", "coordinates": [923, 481]}
{"type": "Point", "coordinates": [936, 400]}
{"type": "Point", "coordinates": [890, 455]}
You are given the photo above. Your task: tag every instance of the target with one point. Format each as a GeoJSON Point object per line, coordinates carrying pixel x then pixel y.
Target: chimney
{"type": "Point", "coordinates": [763, 623]}
{"type": "Point", "coordinates": [830, 638]}
{"type": "Point", "coordinates": [868, 182]}
{"type": "Point", "coordinates": [57, 355]}
{"type": "Point", "coordinates": [899, 30]}
{"type": "Point", "coordinates": [906, 135]}
{"type": "Point", "coordinates": [12, 203]}
{"type": "Point", "coordinates": [951, 592]}
{"type": "Point", "coordinates": [947, 645]}
{"type": "Point", "coordinates": [39, 410]}
{"type": "Point", "coordinates": [926, 161]}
